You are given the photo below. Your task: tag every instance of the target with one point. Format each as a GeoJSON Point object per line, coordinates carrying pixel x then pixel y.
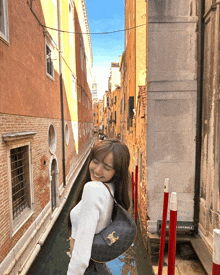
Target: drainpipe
{"type": "Point", "coordinates": [61, 89]}
{"type": "Point", "coordinates": [200, 49]}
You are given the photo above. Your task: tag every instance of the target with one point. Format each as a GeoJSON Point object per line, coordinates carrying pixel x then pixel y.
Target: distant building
{"type": "Point", "coordinates": [94, 89]}
{"type": "Point", "coordinates": [115, 77]}
{"type": "Point", "coordinates": [98, 115]}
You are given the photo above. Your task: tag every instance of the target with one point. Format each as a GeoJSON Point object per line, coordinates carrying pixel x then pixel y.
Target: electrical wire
{"type": "Point", "coordinates": [93, 32]}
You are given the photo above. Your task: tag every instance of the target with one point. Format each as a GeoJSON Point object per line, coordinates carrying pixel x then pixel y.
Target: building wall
{"type": "Point", "coordinates": [140, 38]}
{"type": "Point", "coordinates": [15, 59]}
{"type": "Point", "coordinates": [30, 103]}
{"type": "Point", "coordinates": [130, 48]}
{"type": "Point", "coordinates": [115, 76]}
{"type": "Point", "coordinates": [133, 116]}
{"type": "Point", "coordinates": [123, 116]}
{"type": "Point", "coordinates": [140, 124]}
{"type": "Point", "coordinates": [171, 107]}
{"type": "Point", "coordinates": [209, 217]}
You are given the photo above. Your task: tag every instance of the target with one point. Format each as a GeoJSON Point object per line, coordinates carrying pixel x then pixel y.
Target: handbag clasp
{"type": "Point", "coordinates": [112, 238]}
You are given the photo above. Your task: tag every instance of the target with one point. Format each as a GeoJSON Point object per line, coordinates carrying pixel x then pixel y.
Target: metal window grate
{"type": "Point", "coordinates": [19, 180]}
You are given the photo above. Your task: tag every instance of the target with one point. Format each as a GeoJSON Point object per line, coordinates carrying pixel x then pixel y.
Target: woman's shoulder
{"type": "Point", "coordinates": [95, 192]}
{"type": "Point", "coordinates": [94, 186]}
{"type": "Point", "coordinates": [97, 188]}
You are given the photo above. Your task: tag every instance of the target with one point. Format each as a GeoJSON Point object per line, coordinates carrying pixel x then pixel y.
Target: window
{"type": "Point", "coordinates": [67, 134]}
{"type": "Point", "coordinates": [80, 130]}
{"type": "Point", "coordinates": [20, 180]}
{"type": "Point", "coordinates": [79, 94]}
{"type": "Point", "coordinates": [84, 129]}
{"type": "Point", "coordinates": [4, 27]}
{"type": "Point", "coordinates": [52, 139]}
{"type": "Point", "coordinates": [81, 53]}
{"type": "Point", "coordinates": [50, 45]}
{"type": "Point", "coordinates": [49, 60]}
{"type": "Point", "coordinates": [84, 99]}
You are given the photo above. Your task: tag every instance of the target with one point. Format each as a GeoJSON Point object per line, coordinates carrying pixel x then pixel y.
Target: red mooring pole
{"type": "Point", "coordinates": [136, 187]}
{"type": "Point", "coordinates": [132, 182]}
{"type": "Point", "coordinates": [216, 252]}
{"type": "Point", "coordinates": [164, 223]}
{"type": "Point", "coordinates": [172, 234]}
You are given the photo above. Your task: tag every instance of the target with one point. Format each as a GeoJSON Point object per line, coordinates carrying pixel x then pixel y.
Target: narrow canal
{"type": "Point", "coordinates": [53, 259]}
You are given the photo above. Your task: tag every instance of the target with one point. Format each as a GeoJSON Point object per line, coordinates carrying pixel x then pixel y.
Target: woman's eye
{"type": "Point", "coordinates": [95, 161]}
{"type": "Point", "coordinates": [107, 169]}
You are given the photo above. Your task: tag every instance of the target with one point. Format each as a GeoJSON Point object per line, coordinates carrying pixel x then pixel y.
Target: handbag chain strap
{"type": "Point", "coordinates": [110, 192]}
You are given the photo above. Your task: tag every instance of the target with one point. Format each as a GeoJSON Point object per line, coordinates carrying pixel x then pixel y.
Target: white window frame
{"type": "Point", "coordinates": [47, 45]}
{"type": "Point", "coordinates": [50, 43]}
{"type": "Point", "coordinates": [5, 35]}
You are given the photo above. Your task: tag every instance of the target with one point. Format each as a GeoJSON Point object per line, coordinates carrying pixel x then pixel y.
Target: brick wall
{"type": "Point", "coordinates": [41, 158]}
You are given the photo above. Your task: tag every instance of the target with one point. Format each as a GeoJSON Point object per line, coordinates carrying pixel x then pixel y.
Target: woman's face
{"type": "Point", "coordinates": [102, 171]}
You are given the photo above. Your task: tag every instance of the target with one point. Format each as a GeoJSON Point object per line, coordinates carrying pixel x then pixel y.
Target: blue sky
{"type": "Point", "coordinates": [104, 16]}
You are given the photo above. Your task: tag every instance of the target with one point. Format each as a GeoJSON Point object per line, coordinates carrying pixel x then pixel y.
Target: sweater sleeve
{"type": "Point", "coordinates": [92, 202]}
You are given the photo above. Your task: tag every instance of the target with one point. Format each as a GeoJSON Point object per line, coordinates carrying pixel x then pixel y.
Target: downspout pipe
{"type": "Point", "coordinates": [61, 90]}
{"type": "Point", "coordinates": [200, 50]}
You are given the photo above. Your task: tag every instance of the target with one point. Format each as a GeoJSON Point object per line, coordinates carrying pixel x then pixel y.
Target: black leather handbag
{"type": "Point", "coordinates": [116, 238]}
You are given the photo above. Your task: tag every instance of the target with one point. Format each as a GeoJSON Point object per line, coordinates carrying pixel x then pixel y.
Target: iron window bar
{"type": "Point", "coordinates": [20, 182]}
{"type": "Point", "coordinates": [13, 170]}
{"type": "Point", "coordinates": [19, 191]}
{"type": "Point", "coordinates": [15, 161]}
{"type": "Point", "coordinates": [19, 175]}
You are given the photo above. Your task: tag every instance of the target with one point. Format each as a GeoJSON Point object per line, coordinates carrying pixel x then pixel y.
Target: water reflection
{"type": "Point", "coordinates": [135, 261]}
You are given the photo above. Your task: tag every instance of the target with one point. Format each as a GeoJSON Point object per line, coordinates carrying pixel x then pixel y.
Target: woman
{"type": "Point", "coordinates": [108, 163]}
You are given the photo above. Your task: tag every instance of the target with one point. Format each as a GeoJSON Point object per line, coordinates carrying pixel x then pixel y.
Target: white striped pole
{"type": "Point", "coordinates": [216, 252]}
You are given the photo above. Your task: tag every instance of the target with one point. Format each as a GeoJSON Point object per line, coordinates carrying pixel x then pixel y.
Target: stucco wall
{"type": "Point", "coordinates": [171, 108]}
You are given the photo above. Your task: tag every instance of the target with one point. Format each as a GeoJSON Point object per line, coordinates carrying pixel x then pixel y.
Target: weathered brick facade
{"type": "Point", "coordinates": [41, 157]}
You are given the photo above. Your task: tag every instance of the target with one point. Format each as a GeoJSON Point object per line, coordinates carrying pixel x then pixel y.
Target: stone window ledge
{"type": "Point", "coordinates": [18, 136]}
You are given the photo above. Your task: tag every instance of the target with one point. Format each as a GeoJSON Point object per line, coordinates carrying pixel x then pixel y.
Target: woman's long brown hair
{"type": "Point", "coordinates": [121, 179]}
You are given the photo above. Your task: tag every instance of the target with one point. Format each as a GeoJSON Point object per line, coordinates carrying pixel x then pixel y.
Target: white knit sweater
{"type": "Point", "coordinates": [88, 217]}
